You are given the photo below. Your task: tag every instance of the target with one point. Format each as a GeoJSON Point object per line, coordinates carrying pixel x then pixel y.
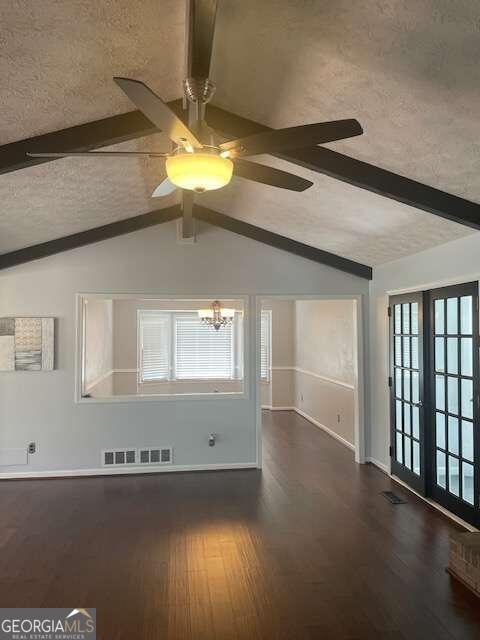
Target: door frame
{"type": "Point", "coordinates": [360, 337]}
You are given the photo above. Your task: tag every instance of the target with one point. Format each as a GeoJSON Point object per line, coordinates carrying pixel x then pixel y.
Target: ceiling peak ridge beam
{"type": "Point", "coordinates": [153, 218]}
{"type": "Point", "coordinates": [83, 238]}
{"type": "Point", "coordinates": [359, 174]}
{"type": "Point", "coordinates": [280, 242]}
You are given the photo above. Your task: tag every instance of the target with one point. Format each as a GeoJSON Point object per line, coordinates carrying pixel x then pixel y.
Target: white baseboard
{"type": "Point", "coordinates": [383, 467]}
{"type": "Point", "coordinates": [326, 429]}
{"type": "Point", "coordinates": [271, 408]}
{"type": "Point", "coordinates": [101, 471]}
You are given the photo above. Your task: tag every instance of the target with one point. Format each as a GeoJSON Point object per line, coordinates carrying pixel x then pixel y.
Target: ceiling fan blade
{"type": "Point", "coordinates": [200, 28]}
{"type": "Point", "coordinates": [98, 154]}
{"type": "Point", "coordinates": [306, 135]}
{"type": "Point", "coordinates": [157, 111]}
{"type": "Point", "coordinates": [165, 188]}
{"type": "Point", "coordinates": [269, 175]}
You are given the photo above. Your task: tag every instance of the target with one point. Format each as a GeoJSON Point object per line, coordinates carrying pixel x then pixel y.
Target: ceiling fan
{"type": "Point", "coordinates": [198, 159]}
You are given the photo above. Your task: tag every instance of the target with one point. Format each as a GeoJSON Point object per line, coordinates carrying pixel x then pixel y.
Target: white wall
{"type": "Point", "coordinates": [40, 407]}
{"type": "Point", "coordinates": [324, 364]}
{"type": "Point", "coordinates": [98, 345]}
{"type": "Point", "coordinates": [452, 263]}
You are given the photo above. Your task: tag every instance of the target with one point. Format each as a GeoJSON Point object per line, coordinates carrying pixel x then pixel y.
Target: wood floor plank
{"type": "Point", "coordinates": [307, 548]}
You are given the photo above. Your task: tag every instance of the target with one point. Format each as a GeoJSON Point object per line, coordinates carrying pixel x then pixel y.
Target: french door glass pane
{"type": "Point", "coordinates": [440, 427]}
{"type": "Point", "coordinates": [414, 355]}
{"type": "Point", "coordinates": [439, 316]}
{"type": "Point", "coordinates": [467, 398]}
{"type": "Point", "coordinates": [453, 435]}
{"type": "Point", "coordinates": [467, 482]}
{"type": "Point", "coordinates": [415, 387]}
{"type": "Point", "coordinates": [441, 469]}
{"type": "Point", "coordinates": [406, 352]}
{"type": "Point", "coordinates": [452, 315]}
{"type": "Point", "coordinates": [416, 422]}
{"type": "Point", "coordinates": [407, 444]}
{"type": "Point", "coordinates": [398, 414]}
{"type": "Point", "coordinates": [454, 475]}
{"type": "Point", "coordinates": [406, 419]}
{"type": "Point", "coordinates": [439, 354]}
{"type": "Point", "coordinates": [399, 448]}
{"type": "Point", "coordinates": [398, 318]}
{"type": "Point", "coordinates": [467, 439]}
{"type": "Point", "coordinates": [406, 318]}
{"type": "Point", "coordinates": [440, 392]}
{"type": "Point", "coordinates": [398, 383]}
{"type": "Point", "coordinates": [398, 351]}
{"type": "Point", "coordinates": [452, 395]}
{"type": "Point", "coordinates": [416, 458]}
{"type": "Point", "coordinates": [414, 318]}
{"type": "Point", "coordinates": [406, 385]}
{"type": "Point", "coordinates": [467, 356]}
{"type": "Point", "coordinates": [452, 355]}
{"type": "Point", "coordinates": [466, 314]}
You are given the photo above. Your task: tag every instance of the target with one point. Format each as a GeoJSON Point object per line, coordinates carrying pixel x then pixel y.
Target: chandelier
{"type": "Point", "coordinates": [216, 316]}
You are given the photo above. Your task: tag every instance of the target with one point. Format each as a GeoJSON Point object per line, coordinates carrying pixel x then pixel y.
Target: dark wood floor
{"type": "Point", "coordinates": [305, 549]}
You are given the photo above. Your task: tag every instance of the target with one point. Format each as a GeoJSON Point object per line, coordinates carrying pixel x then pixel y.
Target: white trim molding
{"type": "Point", "coordinates": [383, 467]}
{"type": "Point", "coordinates": [100, 379]}
{"type": "Point", "coordinates": [136, 470]}
{"type": "Point", "coordinates": [315, 375]}
{"type": "Point", "coordinates": [324, 428]}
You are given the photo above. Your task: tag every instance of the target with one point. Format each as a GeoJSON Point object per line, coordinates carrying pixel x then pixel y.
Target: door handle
{"type": "Point", "coordinates": [418, 404]}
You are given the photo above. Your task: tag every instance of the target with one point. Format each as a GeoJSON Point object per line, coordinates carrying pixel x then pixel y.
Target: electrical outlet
{"type": "Point", "coordinates": [32, 447]}
{"type": "Point", "coordinates": [301, 397]}
{"type": "Point", "coordinates": [339, 418]}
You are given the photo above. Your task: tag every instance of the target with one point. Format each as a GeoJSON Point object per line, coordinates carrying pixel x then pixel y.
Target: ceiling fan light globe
{"type": "Point", "coordinates": [199, 172]}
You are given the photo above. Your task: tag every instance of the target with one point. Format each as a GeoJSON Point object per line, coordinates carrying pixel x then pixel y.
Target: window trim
{"type": "Point", "coordinates": [244, 394]}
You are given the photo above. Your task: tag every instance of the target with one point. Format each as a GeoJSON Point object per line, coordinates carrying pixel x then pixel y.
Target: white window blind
{"type": "Point", "coordinates": [175, 345]}
{"type": "Point", "coordinates": [201, 352]}
{"type": "Point", "coordinates": [155, 331]}
{"type": "Point", "coordinates": [265, 331]}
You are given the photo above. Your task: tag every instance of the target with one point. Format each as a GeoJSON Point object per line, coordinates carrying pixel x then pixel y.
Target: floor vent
{"type": "Point", "coordinates": [393, 498]}
{"type": "Point", "coordinates": [139, 457]}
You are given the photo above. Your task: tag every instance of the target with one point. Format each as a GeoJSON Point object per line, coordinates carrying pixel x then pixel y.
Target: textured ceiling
{"type": "Point", "coordinates": [408, 71]}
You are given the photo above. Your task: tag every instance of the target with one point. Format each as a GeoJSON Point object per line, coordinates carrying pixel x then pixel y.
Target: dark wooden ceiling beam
{"type": "Point", "coordinates": [359, 174]}
{"type": "Point", "coordinates": [128, 126]}
{"type": "Point", "coordinates": [280, 242]}
{"type": "Point", "coordinates": [83, 137]}
{"type": "Point", "coordinates": [90, 236]}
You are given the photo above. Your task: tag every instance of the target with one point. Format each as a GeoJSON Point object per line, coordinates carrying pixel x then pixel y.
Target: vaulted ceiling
{"type": "Point", "coordinates": [407, 71]}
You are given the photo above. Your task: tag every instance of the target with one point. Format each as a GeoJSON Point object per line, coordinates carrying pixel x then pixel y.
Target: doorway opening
{"type": "Point", "coordinates": [309, 357]}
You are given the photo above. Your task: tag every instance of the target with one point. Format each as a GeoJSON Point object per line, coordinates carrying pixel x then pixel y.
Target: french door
{"type": "Point", "coordinates": [407, 390]}
{"type": "Point", "coordinates": [455, 445]}
{"type": "Point", "coordinates": [434, 379]}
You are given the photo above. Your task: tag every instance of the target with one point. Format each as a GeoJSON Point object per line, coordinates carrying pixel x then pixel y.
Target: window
{"type": "Point", "coordinates": [175, 345]}
{"type": "Point", "coordinates": [265, 345]}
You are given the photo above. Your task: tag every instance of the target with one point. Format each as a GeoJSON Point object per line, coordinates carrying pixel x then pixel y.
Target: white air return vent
{"type": "Point", "coordinates": [119, 457]}
{"type": "Point", "coordinates": [155, 455]}
{"type": "Point", "coordinates": [138, 457]}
